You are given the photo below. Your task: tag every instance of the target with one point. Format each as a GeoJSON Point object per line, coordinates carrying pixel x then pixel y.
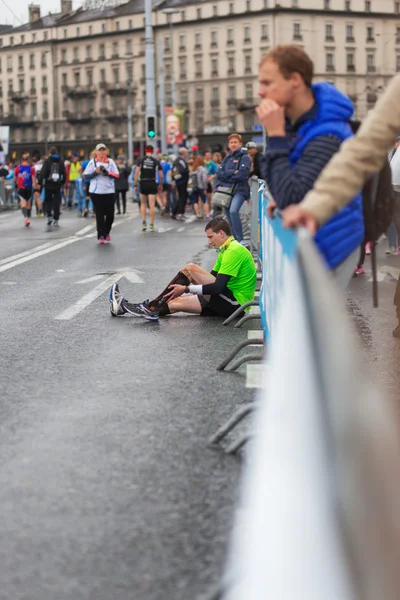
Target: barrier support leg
{"type": "Point", "coordinates": [237, 348]}
{"type": "Point", "coordinates": [239, 311]}
{"type": "Point", "coordinates": [243, 359]}
{"type": "Point", "coordinates": [239, 415]}
{"type": "Point", "coordinates": [235, 446]}
{"type": "Point", "coordinates": [246, 318]}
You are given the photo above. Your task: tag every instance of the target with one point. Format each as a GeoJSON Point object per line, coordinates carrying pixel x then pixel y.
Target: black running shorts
{"type": "Point", "coordinates": [148, 188]}
{"type": "Point", "coordinates": [209, 188]}
{"type": "Point", "coordinates": [219, 305]}
{"type": "Point", "coordinates": [25, 194]}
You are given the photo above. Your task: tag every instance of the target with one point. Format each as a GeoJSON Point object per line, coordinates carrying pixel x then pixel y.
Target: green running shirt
{"type": "Point", "coordinates": [235, 260]}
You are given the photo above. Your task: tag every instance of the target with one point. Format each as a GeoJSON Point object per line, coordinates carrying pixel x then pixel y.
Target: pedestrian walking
{"type": "Point", "coordinates": [180, 177]}
{"type": "Point", "coordinates": [25, 183]}
{"type": "Point", "coordinates": [102, 172]}
{"type": "Point", "coordinates": [199, 186]}
{"type": "Point", "coordinates": [52, 176]}
{"type": "Point", "coordinates": [233, 176]}
{"type": "Point", "coordinates": [121, 185]}
{"type": "Point", "coordinates": [76, 185]}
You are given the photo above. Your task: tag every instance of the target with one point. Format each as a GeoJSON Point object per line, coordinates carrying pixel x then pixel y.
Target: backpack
{"type": "Point", "coordinates": [54, 172]}
{"type": "Point", "coordinates": [195, 180]}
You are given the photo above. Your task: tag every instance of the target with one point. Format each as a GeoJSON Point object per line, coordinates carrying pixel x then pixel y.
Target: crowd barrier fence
{"type": "Point", "coordinates": [319, 507]}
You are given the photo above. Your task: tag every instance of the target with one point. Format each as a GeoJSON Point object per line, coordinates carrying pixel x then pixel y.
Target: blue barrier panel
{"type": "Point", "coordinates": [278, 253]}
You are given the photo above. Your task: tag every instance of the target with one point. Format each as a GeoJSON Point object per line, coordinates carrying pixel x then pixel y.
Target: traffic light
{"type": "Point", "coordinates": [151, 127]}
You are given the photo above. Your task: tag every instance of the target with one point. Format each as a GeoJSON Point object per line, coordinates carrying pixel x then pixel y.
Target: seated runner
{"type": "Point", "coordinates": [231, 283]}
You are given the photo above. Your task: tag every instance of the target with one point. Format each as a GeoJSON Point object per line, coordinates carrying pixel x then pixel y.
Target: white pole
{"type": "Point", "coordinates": [162, 96]}
{"type": "Point", "coordinates": [130, 128]}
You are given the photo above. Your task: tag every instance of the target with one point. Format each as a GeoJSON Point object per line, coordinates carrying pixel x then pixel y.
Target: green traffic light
{"type": "Point", "coordinates": [151, 134]}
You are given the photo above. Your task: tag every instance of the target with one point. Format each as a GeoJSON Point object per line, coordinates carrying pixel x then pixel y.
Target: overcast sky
{"type": "Point", "coordinates": [20, 9]}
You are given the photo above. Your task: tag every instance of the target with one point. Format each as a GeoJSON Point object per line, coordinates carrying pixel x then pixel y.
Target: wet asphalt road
{"type": "Point", "coordinates": [107, 486]}
{"type": "Point", "coordinates": [375, 325]}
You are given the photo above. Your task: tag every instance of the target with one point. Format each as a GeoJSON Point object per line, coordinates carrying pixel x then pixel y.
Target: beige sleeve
{"type": "Point", "coordinates": [358, 157]}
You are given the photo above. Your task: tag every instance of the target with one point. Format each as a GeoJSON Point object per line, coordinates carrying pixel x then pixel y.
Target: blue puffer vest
{"type": "Point", "coordinates": [345, 231]}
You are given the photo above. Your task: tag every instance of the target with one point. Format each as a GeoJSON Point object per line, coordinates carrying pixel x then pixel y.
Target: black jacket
{"type": "Point", "coordinates": [44, 177]}
{"type": "Point", "coordinates": [180, 171]}
{"type": "Point", "coordinates": [122, 184]}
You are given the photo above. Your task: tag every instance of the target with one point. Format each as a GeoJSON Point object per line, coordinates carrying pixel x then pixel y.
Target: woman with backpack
{"type": "Point", "coordinates": [199, 187]}
{"type": "Point", "coordinates": [102, 172]}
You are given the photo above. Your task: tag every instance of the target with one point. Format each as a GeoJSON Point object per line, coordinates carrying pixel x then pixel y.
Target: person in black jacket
{"type": "Point", "coordinates": [256, 159]}
{"type": "Point", "coordinates": [121, 185]}
{"type": "Point", "coordinates": [52, 177]}
{"type": "Point", "coordinates": [180, 177]}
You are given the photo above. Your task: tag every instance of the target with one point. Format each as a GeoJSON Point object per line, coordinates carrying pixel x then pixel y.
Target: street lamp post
{"type": "Point", "coordinates": [170, 12]}
{"type": "Point", "coordinates": [130, 128]}
{"type": "Point", "coordinates": [151, 109]}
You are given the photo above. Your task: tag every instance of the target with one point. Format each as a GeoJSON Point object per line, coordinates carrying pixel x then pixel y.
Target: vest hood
{"type": "Point", "coordinates": [333, 105]}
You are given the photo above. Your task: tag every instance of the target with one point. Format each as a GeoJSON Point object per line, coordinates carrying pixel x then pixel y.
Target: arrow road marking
{"type": "Point", "coordinates": [91, 296]}
{"type": "Point", "coordinates": [90, 279]}
{"type": "Point", "coordinates": [386, 270]}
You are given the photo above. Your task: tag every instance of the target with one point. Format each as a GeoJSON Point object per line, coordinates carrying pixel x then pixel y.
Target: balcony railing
{"type": "Point", "coordinates": [351, 68]}
{"type": "Point", "coordinates": [330, 68]}
{"type": "Point", "coordinates": [44, 90]}
{"type": "Point", "coordinates": [80, 91]}
{"type": "Point", "coordinates": [232, 101]}
{"type": "Point", "coordinates": [78, 116]}
{"type": "Point", "coordinates": [116, 115]}
{"type": "Point", "coordinates": [199, 103]}
{"type": "Point", "coordinates": [17, 97]}
{"type": "Point", "coordinates": [19, 120]}
{"type": "Point", "coordinates": [215, 102]}
{"type": "Point", "coordinates": [371, 69]}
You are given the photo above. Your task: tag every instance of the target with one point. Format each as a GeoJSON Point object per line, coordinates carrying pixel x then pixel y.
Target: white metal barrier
{"type": "Point", "coordinates": [319, 515]}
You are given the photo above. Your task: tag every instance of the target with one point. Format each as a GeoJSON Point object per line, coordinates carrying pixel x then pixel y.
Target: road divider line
{"type": "Point", "coordinates": [33, 255]}
{"type": "Point", "coordinates": [85, 229]}
{"type": "Point", "coordinates": [27, 252]}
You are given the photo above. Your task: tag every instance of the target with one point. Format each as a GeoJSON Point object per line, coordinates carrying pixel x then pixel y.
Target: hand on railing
{"type": "Point", "coordinates": [294, 216]}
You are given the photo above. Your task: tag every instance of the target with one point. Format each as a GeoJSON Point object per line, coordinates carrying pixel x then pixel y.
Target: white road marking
{"type": "Point", "coordinates": [256, 334]}
{"type": "Point", "coordinates": [191, 219]}
{"type": "Point", "coordinates": [91, 296]}
{"type": "Point", "coordinates": [90, 279]}
{"type": "Point", "coordinates": [163, 229]}
{"type": "Point", "coordinates": [85, 229]}
{"type": "Point", "coordinates": [254, 375]}
{"type": "Point", "coordinates": [181, 229]}
{"type": "Point", "coordinates": [9, 283]}
{"type": "Point", "coordinates": [27, 252]}
{"type": "Point", "coordinates": [33, 255]}
{"type": "Point", "coordinates": [60, 270]}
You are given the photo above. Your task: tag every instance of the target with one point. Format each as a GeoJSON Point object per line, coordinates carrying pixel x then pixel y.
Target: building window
{"type": "Point", "coordinates": [103, 28]}
{"type": "Point", "coordinates": [78, 31]}
{"type": "Point", "coordinates": [34, 109]}
{"type": "Point", "coordinates": [397, 8]}
{"type": "Point", "coordinates": [9, 63]}
{"type": "Point", "coordinates": [117, 25]}
{"type": "Point", "coordinates": [329, 32]}
{"type": "Point", "coordinates": [347, 5]}
{"type": "Point", "coordinates": [264, 31]}
{"type": "Point", "coordinates": [370, 34]}
{"type": "Point", "coordinates": [11, 41]}
{"type": "Point", "coordinates": [349, 33]}
{"type": "Point", "coordinates": [182, 41]}
{"type": "Point", "coordinates": [90, 30]}
{"type": "Point", "coordinates": [214, 39]}
{"type": "Point", "coordinates": [182, 69]}
{"type": "Point", "coordinates": [77, 77]}
{"type": "Point", "coordinates": [248, 121]}
{"type": "Point", "coordinates": [232, 92]}
{"type": "Point", "coordinates": [367, 6]}
{"type": "Point", "coordinates": [65, 33]}
{"type": "Point", "coordinates": [370, 62]}
{"type": "Point", "coordinates": [295, 4]}
{"type": "Point", "coordinates": [33, 84]}
{"type": "Point", "coordinates": [76, 54]}
{"type": "Point", "coordinates": [248, 91]}
{"type": "Point", "coordinates": [21, 85]}
{"type": "Point", "coordinates": [297, 31]}
{"type": "Point", "coordinates": [129, 47]}
{"type": "Point", "coordinates": [197, 41]}
{"type": "Point", "coordinates": [397, 62]}
{"type": "Point", "coordinates": [102, 75]}
{"type": "Point", "coordinates": [115, 51]}
{"type": "Point", "coordinates": [43, 62]}
{"type": "Point", "coordinates": [130, 24]}
{"type": "Point", "coordinates": [214, 66]}
{"type": "Point", "coordinates": [89, 77]}
{"type": "Point", "coordinates": [248, 5]}
{"type": "Point", "coordinates": [230, 37]}
{"type": "Point", "coordinates": [198, 68]}
{"type": "Point", "coordinates": [329, 62]}
{"type": "Point", "coordinates": [397, 35]}
{"type": "Point", "coordinates": [350, 62]}
{"type": "Point", "coordinates": [327, 4]}
{"type": "Point", "coordinates": [129, 73]}
{"type": "Point", "coordinates": [247, 34]}
{"type": "Point", "coordinates": [215, 94]}
{"type": "Point", "coordinates": [20, 63]}
{"type": "Point", "coordinates": [266, 3]}
{"type": "Point", "coordinates": [247, 65]}
{"type": "Point", "coordinates": [231, 65]}
{"type": "Point", "coordinates": [116, 74]}
{"type": "Point", "coordinates": [215, 10]}
{"type": "Point", "coordinates": [231, 8]}
{"type": "Point", "coordinates": [33, 37]}
{"type": "Point", "coordinates": [64, 79]}
{"type": "Point", "coordinates": [23, 38]}
{"type": "Point", "coordinates": [167, 44]}
{"type": "Point", "coordinates": [198, 13]}
{"type": "Point", "coordinates": [102, 52]}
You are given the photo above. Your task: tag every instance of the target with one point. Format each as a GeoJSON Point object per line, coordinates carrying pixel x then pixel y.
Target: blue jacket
{"type": "Point", "coordinates": [345, 231]}
{"type": "Point", "coordinates": [225, 175]}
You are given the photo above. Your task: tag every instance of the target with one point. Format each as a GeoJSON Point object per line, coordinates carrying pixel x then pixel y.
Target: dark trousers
{"type": "Point", "coordinates": [104, 208]}
{"type": "Point", "coordinates": [117, 201]}
{"type": "Point", "coordinates": [52, 202]}
{"type": "Point", "coordinates": [182, 199]}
